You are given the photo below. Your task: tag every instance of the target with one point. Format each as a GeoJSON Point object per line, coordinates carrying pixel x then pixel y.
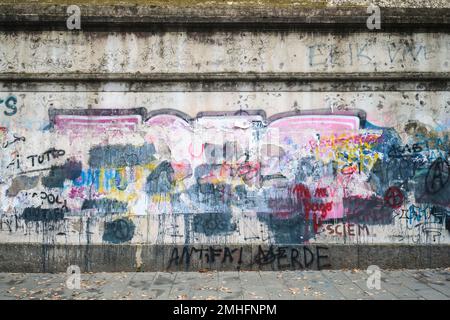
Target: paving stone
{"type": "Point", "coordinates": [344, 285]}
{"type": "Point", "coordinates": [289, 285]}
{"type": "Point", "coordinates": [140, 285]}
{"type": "Point", "coordinates": [103, 286]}
{"type": "Point", "coordinates": [37, 286]}
{"type": "Point", "coordinates": [304, 285]}
{"type": "Point", "coordinates": [359, 279]}
{"type": "Point", "coordinates": [274, 286]}
{"type": "Point", "coordinates": [420, 288]}
{"type": "Point", "coordinates": [162, 285]}
{"type": "Point", "coordinates": [229, 286]}
{"type": "Point", "coordinates": [206, 286]}
{"type": "Point", "coordinates": [252, 286]}
{"type": "Point", "coordinates": [396, 286]}
{"type": "Point", "coordinates": [435, 280]}
{"type": "Point", "coordinates": [182, 287]}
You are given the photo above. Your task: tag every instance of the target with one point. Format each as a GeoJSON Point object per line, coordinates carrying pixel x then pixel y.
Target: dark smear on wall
{"type": "Point", "coordinates": [119, 231]}
{"type": "Point", "coordinates": [21, 183]}
{"type": "Point", "coordinates": [308, 168]}
{"type": "Point", "coordinates": [114, 156]}
{"type": "Point", "coordinates": [44, 215]}
{"type": "Point", "coordinates": [214, 223]}
{"type": "Point", "coordinates": [161, 179]}
{"type": "Point", "coordinates": [229, 151]}
{"type": "Point", "coordinates": [369, 211]}
{"type": "Point", "coordinates": [437, 176]}
{"type": "Point", "coordinates": [71, 170]}
{"type": "Point", "coordinates": [105, 206]}
{"type": "Point", "coordinates": [433, 186]}
{"type": "Point", "coordinates": [292, 230]}
{"type": "Point", "coordinates": [210, 197]}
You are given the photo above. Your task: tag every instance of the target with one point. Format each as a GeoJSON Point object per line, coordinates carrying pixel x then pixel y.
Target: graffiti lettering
{"type": "Point", "coordinates": [47, 156]}
{"type": "Point", "coordinates": [394, 197]}
{"type": "Point", "coordinates": [437, 176]}
{"type": "Point", "coordinates": [10, 103]}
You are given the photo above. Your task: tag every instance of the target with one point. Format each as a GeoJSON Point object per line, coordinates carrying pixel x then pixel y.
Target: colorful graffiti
{"type": "Point", "coordinates": [163, 177]}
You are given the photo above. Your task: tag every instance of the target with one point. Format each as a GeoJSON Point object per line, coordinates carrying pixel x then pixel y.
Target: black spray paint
{"type": "Point", "coordinates": [43, 215]}
{"type": "Point", "coordinates": [118, 231]}
{"type": "Point", "coordinates": [116, 156]}
{"type": "Point", "coordinates": [105, 206]}
{"type": "Point", "coordinates": [71, 170]}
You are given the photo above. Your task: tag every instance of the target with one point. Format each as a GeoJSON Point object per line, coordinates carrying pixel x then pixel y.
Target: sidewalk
{"type": "Point", "coordinates": [330, 284]}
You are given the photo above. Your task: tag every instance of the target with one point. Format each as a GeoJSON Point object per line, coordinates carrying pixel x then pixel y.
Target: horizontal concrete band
{"type": "Point", "coordinates": [22, 16]}
{"type": "Point", "coordinates": [225, 86]}
{"type": "Point", "coordinates": [228, 76]}
{"type": "Point", "coordinates": [27, 257]}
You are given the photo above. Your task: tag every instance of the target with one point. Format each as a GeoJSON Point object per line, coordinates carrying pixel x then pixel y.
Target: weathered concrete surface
{"type": "Point", "coordinates": [234, 55]}
{"type": "Point", "coordinates": [418, 284]}
{"type": "Point", "coordinates": [31, 257]}
{"type": "Point", "coordinates": [313, 15]}
{"type": "Point", "coordinates": [112, 135]}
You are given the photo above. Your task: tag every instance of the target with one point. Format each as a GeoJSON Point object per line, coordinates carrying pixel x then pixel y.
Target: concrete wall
{"type": "Point", "coordinates": [220, 138]}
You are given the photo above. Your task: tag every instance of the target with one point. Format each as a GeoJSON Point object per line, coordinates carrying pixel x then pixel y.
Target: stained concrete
{"type": "Point", "coordinates": [24, 257]}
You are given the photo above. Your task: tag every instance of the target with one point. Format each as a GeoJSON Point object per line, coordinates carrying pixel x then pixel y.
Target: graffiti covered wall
{"type": "Point", "coordinates": [108, 163]}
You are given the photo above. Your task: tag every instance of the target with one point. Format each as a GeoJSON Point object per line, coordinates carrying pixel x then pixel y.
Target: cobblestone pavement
{"type": "Point", "coordinates": [330, 284]}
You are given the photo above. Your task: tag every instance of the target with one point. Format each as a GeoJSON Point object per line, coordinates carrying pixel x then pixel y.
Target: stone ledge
{"type": "Point", "coordinates": [17, 257]}
{"type": "Point", "coordinates": [295, 85]}
{"type": "Point", "coordinates": [129, 17]}
{"type": "Point", "coordinates": [227, 76]}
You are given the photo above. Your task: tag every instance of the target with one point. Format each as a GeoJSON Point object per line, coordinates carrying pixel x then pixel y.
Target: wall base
{"type": "Point", "coordinates": [16, 257]}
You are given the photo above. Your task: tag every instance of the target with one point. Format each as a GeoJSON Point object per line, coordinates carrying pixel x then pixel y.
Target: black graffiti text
{"type": "Point", "coordinates": [47, 156]}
